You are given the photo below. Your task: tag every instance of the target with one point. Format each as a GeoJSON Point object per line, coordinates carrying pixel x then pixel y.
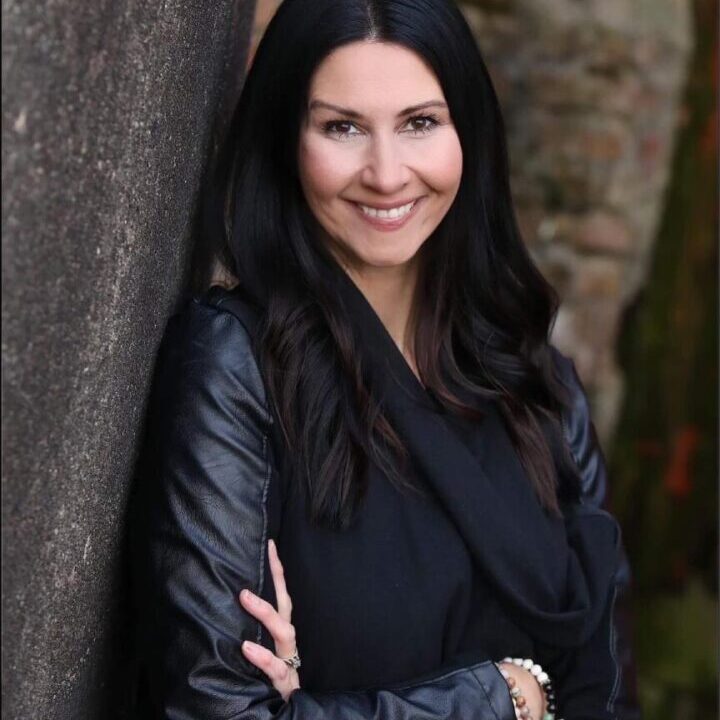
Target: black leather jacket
{"type": "Point", "coordinates": [199, 528]}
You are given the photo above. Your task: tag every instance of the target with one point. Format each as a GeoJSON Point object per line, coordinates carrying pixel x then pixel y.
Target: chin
{"type": "Point", "coordinates": [388, 259]}
{"type": "Point", "coordinates": [375, 254]}
{"type": "Point", "coordinates": [387, 253]}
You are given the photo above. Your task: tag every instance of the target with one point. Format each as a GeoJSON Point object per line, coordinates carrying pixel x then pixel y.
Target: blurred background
{"type": "Point", "coordinates": [110, 113]}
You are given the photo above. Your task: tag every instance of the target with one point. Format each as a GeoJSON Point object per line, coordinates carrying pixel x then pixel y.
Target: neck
{"type": "Point", "coordinates": [390, 291]}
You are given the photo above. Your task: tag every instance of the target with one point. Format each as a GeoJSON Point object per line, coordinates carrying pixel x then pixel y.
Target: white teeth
{"type": "Point", "coordinates": [391, 214]}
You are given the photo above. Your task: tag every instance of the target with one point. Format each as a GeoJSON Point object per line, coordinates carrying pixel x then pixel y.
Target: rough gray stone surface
{"type": "Point", "coordinates": [591, 93]}
{"type": "Point", "coordinates": [108, 113]}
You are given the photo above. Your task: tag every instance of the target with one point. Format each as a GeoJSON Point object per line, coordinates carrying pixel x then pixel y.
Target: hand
{"type": "Point", "coordinates": [529, 688]}
{"type": "Point", "coordinates": [284, 678]}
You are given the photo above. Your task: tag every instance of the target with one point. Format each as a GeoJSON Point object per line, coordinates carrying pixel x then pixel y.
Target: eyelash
{"type": "Point", "coordinates": [330, 128]}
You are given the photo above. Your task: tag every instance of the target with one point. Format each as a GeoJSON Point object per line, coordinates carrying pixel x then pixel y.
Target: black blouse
{"type": "Point", "coordinates": [473, 568]}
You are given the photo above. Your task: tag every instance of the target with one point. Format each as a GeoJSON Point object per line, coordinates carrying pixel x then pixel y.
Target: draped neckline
{"type": "Point", "coordinates": [554, 574]}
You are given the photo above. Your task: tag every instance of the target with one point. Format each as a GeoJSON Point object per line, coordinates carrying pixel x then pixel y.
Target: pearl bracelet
{"type": "Point", "coordinates": [522, 712]}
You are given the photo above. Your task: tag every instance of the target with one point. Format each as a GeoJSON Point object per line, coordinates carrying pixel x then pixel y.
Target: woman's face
{"type": "Point", "coordinates": [379, 158]}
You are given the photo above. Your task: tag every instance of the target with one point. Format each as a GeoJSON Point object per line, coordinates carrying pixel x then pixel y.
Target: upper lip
{"type": "Point", "coordinates": [387, 205]}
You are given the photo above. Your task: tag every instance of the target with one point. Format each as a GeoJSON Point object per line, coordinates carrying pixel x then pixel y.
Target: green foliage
{"type": "Point", "coordinates": [677, 638]}
{"type": "Point", "coordinates": [664, 464]}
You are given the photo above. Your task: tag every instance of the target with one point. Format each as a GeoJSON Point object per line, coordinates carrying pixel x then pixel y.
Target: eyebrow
{"type": "Point", "coordinates": [358, 116]}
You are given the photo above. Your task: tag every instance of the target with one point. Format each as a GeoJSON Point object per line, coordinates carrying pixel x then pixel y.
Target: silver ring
{"type": "Point", "coordinates": [294, 661]}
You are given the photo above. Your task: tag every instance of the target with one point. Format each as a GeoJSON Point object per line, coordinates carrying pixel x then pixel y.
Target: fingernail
{"type": "Point", "coordinates": [271, 543]}
{"type": "Point", "coordinates": [248, 647]}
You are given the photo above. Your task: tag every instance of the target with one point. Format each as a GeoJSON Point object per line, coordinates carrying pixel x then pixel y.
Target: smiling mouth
{"type": "Point", "coordinates": [388, 219]}
{"type": "Point", "coordinates": [394, 213]}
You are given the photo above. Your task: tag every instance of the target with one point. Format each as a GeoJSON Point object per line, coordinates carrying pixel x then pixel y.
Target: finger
{"type": "Point", "coordinates": [283, 677]}
{"type": "Point", "coordinates": [283, 633]}
{"type": "Point", "coordinates": [278, 576]}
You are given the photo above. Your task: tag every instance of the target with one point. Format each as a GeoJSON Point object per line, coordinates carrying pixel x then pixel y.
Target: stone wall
{"type": "Point", "coordinates": [590, 91]}
{"type": "Point", "coordinates": [108, 113]}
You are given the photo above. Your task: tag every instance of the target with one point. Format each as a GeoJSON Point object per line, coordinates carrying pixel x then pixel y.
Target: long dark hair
{"type": "Point", "coordinates": [486, 330]}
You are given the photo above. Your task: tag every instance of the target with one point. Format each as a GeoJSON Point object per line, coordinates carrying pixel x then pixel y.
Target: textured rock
{"type": "Point", "coordinates": [590, 92]}
{"type": "Point", "coordinates": [601, 232]}
{"type": "Point", "coordinates": [108, 111]}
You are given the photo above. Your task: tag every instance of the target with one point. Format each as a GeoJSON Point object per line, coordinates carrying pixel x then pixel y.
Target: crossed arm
{"type": "Point", "coordinates": [199, 534]}
{"type": "Point", "coordinates": [199, 537]}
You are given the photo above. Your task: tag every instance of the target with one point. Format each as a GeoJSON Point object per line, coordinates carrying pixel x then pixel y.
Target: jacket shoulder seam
{"type": "Point", "coordinates": [263, 544]}
{"type": "Point", "coordinates": [216, 307]}
{"type": "Point", "coordinates": [613, 654]}
{"type": "Point", "coordinates": [564, 366]}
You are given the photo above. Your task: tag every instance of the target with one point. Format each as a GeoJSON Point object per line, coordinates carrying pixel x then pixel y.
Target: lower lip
{"type": "Point", "coordinates": [388, 225]}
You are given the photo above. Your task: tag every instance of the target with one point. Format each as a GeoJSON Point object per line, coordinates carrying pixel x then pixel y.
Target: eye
{"type": "Point", "coordinates": [339, 128]}
{"type": "Point", "coordinates": [417, 125]}
{"type": "Point", "coordinates": [422, 124]}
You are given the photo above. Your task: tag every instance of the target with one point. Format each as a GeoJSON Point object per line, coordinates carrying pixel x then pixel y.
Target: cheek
{"type": "Point", "coordinates": [443, 163]}
{"type": "Point", "coordinates": [324, 171]}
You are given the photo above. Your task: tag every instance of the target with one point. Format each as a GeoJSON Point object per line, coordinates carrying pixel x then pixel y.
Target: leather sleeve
{"type": "Point", "coordinates": [198, 537]}
{"type": "Point", "coordinates": [599, 682]}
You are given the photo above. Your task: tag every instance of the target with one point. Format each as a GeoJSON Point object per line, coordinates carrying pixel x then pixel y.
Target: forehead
{"type": "Point", "coordinates": [374, 77]}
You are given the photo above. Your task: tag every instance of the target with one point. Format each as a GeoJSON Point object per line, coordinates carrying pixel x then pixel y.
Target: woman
{"type": "Point", "coordinates": [376, 395]}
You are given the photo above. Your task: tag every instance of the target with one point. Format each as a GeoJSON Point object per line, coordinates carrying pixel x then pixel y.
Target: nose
{"type": "Point", "coordinates": [385, 171]}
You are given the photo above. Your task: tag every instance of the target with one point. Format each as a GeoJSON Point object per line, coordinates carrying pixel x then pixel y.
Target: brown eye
{"type": "Point", "coordinates": [339, 128]}
{"type": "Point", "coordinates": [421, 124]}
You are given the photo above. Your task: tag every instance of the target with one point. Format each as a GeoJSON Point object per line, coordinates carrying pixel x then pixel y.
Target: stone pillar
{"type": "Point", "coordinates": [109, 110]}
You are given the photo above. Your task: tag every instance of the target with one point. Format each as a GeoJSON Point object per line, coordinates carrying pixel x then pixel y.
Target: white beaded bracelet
{"type": "Point", "coordinates": [543, 679]}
